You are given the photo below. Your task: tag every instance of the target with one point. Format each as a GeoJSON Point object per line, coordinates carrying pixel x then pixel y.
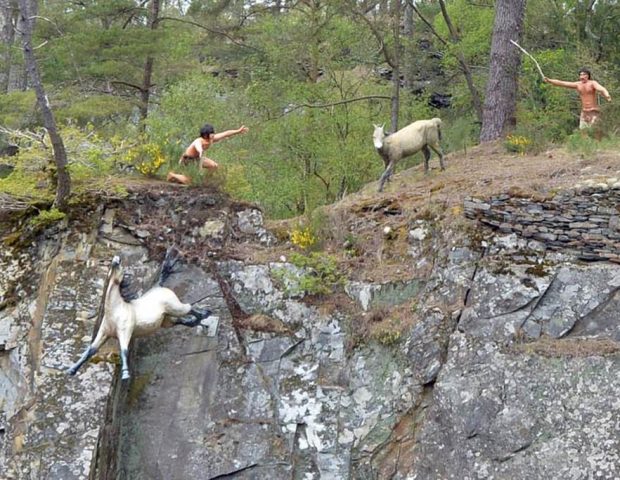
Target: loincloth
{"type": "Point", "coordinates": [186, 159]}
{"type": "Point", "coordinates": [587, 119]}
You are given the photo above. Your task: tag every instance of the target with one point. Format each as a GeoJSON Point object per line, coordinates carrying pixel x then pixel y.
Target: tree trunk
{"type": "Point", "coordinates": [12, 71]}
{"type": "Point", "coordinates": [63, 180]}
{"type": "Point", "coordinates": [408, 52]}
{"type": "Point", "coordinates": [7, 37]}
{"type": "Point", "coordinates": [395, 16]}
{"type": "Point", "coordinates": [145, 91]}
{"type": "Point", "coordinates": [499, 113]}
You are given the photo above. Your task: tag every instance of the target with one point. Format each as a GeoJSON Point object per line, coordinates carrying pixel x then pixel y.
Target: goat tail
{"type": "Point", "coordinates": [438, 122]}
{"type": "Point", "coordinates": [171, 258]}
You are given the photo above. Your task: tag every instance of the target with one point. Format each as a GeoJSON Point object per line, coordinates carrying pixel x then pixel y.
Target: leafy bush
{"type": "Point", "coordinates": [517, 143]}
{"type": "Point", "coordinates": [46, 218]}
{"type": "Point", "coordinates": [91, 160]}
{"type": "Point", "coordinates": [147, 158]}
{"type": "Point", "coordinates": [319, 274]}
{"type": "Point", "coordinates": [16, 109]}
{"type": "Point", "coordinates": [303, 238]}
{"type": "Point", "coordinates": [387, 336]}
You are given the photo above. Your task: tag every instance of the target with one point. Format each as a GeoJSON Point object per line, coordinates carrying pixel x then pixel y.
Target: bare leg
{"type": "Point", "coordinates": [209, 163]}
{"type": "Point", "coordinates": [89, 352]}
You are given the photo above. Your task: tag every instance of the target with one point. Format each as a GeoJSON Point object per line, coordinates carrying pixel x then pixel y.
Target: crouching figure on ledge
{"type": "Point", "coordinates": [122, 317]}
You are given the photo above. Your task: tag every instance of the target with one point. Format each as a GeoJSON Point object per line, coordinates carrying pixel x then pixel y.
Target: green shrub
{"type": "Point", "coordinates": [147, 158]}
{"type": "Point", "coordinates": [517, 143]}
{"type": "Point", "coordinates": [387, 336]}
{"type": "Point", "coordinates": [319, 274]}
{"type": "Point", "coordinates": [45, 218]}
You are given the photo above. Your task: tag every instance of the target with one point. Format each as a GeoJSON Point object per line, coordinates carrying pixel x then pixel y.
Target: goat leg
{"type": "Point", "coordinates": [196, 315]}
{"type": "Point", "coordinates": [427, 156]}
{"type": "Point", "coordinates": [124, 365]}
{"type": "Point", "coordinates": [437, 149]}
{"type": "Point", "coordinates": [386, 175]}
{"type": "Point", "coordinates": [88, 353]}
{"type": "Point", "coordinates": [124, 337]}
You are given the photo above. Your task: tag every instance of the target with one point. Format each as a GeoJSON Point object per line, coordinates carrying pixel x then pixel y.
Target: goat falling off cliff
{"type": "Point", "coordinates": [123, 318]}
{"type": "Point", "coordinates": [421, 135]}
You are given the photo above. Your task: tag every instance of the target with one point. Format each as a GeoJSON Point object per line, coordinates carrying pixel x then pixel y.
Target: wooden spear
{"type": "Point", "coordinates": [527, 53]}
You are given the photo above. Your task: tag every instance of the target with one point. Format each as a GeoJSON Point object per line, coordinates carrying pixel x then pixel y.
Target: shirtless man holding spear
{"type": "Point", "coordinates": [586, 87]}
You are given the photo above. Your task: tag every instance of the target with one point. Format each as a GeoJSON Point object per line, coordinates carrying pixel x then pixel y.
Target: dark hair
{"type": "Point", "coordinates": [206, 130]}
{"type": "Point", "coordinates": [585, 70]}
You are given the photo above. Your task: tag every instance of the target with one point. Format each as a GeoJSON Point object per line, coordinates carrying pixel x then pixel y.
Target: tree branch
{"type": "Point", "coordinates": [427, 23]}
{"type": "Point", "coordinates": [341, 102]}
{"type": "Point", "coordinates": [375, 31]}
{"type": "Point", "coordinates": [211, 30]}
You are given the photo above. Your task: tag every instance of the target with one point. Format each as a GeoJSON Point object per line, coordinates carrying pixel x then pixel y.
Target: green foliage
{"type": "Point", "coordinates": [324, 274]}
{"type": "Point", "coordinates": [387, 336]}
{"type": "Point", "coordinates": [24, 183]}
{"type": "Point", "coordinates": [91, 160]}
{"type": "Point", "coordinates": [474, 25]}
{"type": "Point", "coordinates": [460, 133]}
{"type": "Point", "coordinates": [45, 218]}
{"type": "Point", "coordinates": [517, 143]}
{"type": "Point", "coordinates": [94, 109]}
{"type": "Point", "coordinates": [319, 274]}
{"type": "Point", "coordinates": [303, 238]}
{"type": "Point", "coordinates": [584, 143]}
{"type": "Point", "coordinates": [17, 108]}
{"type": "Point", "coordinates": [147, 158]}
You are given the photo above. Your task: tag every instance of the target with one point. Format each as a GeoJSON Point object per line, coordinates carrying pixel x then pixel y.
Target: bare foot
{"type": "Point", "coordinates": [178, 178]}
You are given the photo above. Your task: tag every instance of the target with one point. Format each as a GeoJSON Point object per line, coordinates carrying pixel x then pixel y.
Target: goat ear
{"type": "Point", "coordinates": [382, 126]}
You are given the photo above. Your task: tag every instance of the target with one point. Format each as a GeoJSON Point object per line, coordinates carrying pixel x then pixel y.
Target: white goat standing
{"type": "Point", "coordinates": [123, 318]}
{"type": "Point", "coordinates": [407, 141]}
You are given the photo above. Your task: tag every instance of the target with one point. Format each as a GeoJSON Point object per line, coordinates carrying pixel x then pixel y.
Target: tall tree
{"type": "Point", "coordinates": [500, 105]}
{"type": "Point", "coordinates": [408, 59]}
{"type": "Point", "coordinates": [63, 180]}
{"type": "Point", "coordinates": [391, 48]}
{"type": "Point", "coordinates": [395, 17]}
{"type": "Point", "coordinates": [145, 91]}
{"type": "Point", "coordinates": [12, 72]}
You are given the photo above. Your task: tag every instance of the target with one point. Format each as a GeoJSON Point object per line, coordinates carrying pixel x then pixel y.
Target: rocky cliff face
{"type": "Point", "coordinates": [505, 363]}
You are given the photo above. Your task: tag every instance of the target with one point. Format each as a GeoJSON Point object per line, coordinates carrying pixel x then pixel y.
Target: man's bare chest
{"type": "Point", "coordinates": [586, 89]}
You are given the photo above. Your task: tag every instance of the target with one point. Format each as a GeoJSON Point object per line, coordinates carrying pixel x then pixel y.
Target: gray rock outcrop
{"type": "Point", "coordinates": [509, 369]}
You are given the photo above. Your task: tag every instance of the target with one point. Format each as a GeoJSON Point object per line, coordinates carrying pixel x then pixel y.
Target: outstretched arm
{"type": "Point", "coordinates": [602, 90]}
{"type": "Point", "coordinates": [560, 83]}
{"type": "Point", "coordinates": [229, 133]}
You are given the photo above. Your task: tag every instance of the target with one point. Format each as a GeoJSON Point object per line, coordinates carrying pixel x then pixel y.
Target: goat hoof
{"type": "Point", "coordinates": [125, 375]}
{"type": "Point", "coordinates": [201, 313]}
{"type": "Point", "coordinates": [70, 371]}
